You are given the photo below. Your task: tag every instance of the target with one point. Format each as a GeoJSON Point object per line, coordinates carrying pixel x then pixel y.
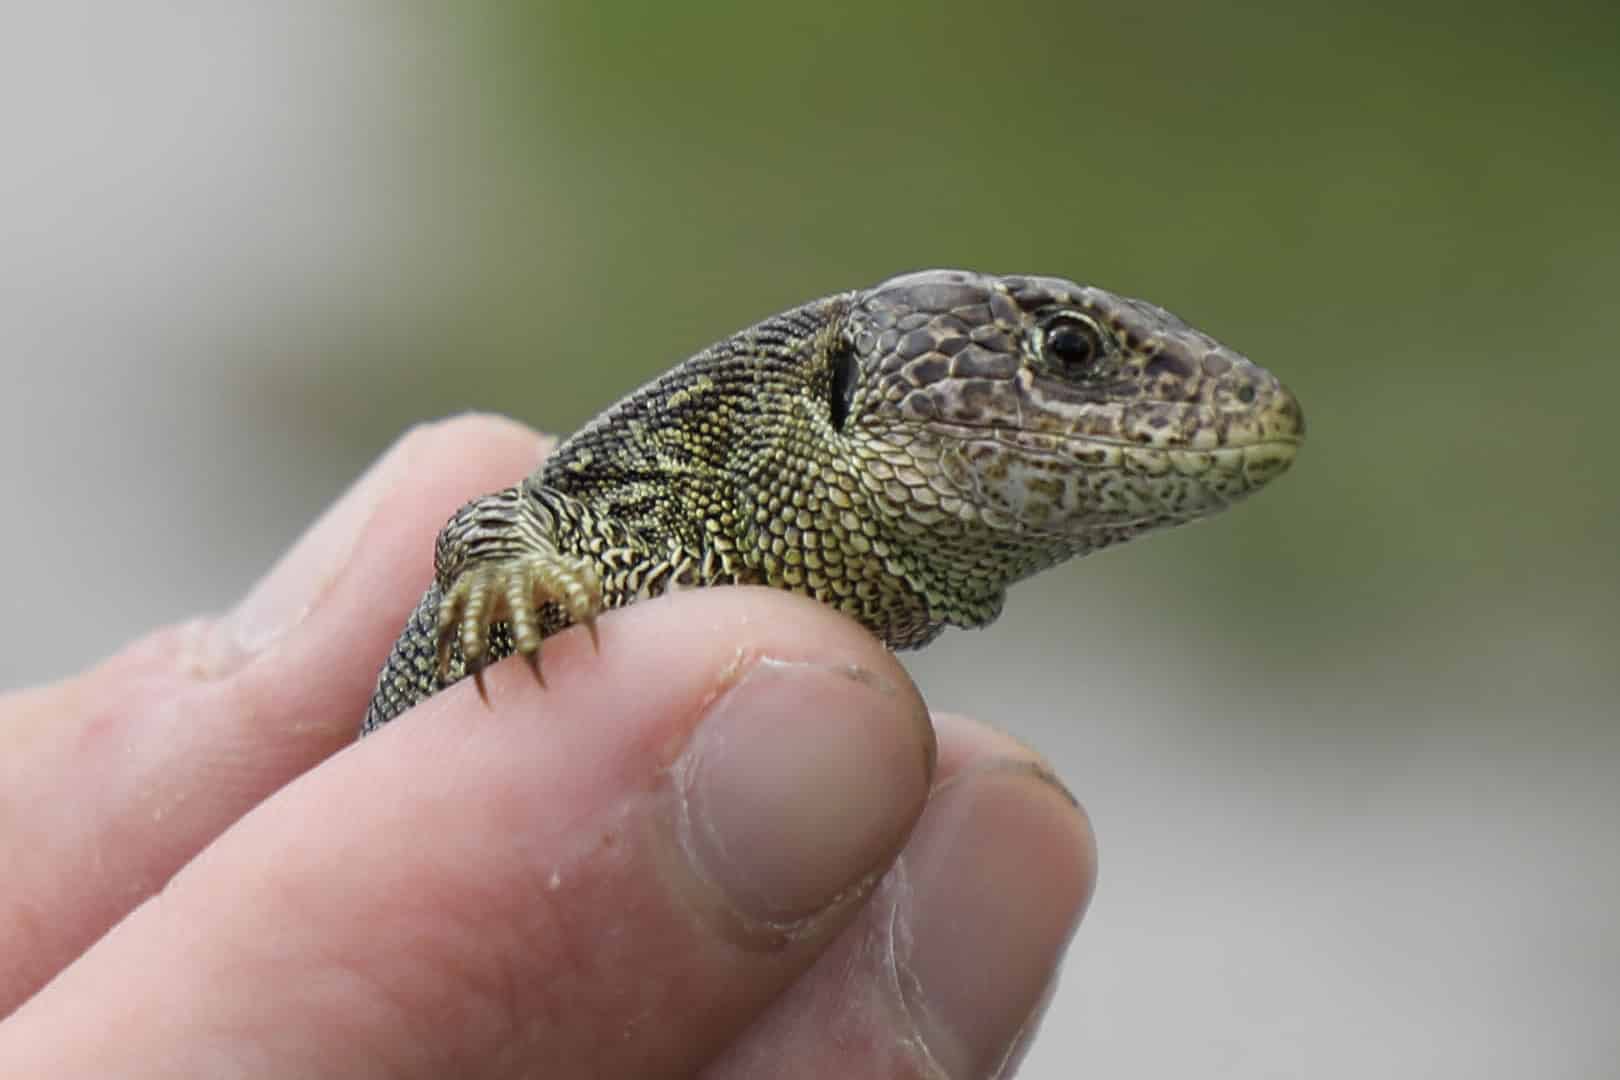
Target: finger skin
{"type": "Point", "coordinates": [479, 892]}
{"type": "Point", "coordinates": [112, 780]}
{"type": "Point", "coordinates": [951, 963]}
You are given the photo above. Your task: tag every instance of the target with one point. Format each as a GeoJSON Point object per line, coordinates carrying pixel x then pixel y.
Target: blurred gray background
{"type": "Point", "coordinates": [1351, 751]}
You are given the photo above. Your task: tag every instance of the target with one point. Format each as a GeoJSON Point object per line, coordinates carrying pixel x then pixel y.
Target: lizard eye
{"type": "Point", "coordinates": [841, 391]}
{"type": "Point", "coordinates": [1074, 344]}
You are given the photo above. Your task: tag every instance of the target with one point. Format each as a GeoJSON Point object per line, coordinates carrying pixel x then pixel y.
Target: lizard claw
{"type": "Point", "coordinates": [533, 660]}
{"type": "Point", "coordinates": [514, 591]}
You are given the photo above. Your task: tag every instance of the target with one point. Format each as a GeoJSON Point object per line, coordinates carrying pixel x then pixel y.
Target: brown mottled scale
{"type": "Point", "coordinates": [902, 453]}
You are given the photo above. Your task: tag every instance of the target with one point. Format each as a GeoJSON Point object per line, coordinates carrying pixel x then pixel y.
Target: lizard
{"type": "Point", "coordinates": [903, 452]}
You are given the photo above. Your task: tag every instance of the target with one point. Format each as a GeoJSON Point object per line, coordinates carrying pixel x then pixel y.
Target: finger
{"type": "Point", "coordinates": [610, 877]}
{"type": "Point", "coordinates": [947, 969]}
{"type": "Point", "coordinates": [111, 780]}
{"type": "Point", "coordinates": [966, 743]}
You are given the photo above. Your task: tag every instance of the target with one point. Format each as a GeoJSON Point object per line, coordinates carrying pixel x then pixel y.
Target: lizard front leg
{"type": "Point", "coordinates": [511, 569]}
{"type": "Point", "coordinates": [504, 560]}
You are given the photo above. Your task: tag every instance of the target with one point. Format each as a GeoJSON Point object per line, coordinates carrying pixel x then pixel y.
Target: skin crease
{"type": "Point", "coordinates": [202, 883]}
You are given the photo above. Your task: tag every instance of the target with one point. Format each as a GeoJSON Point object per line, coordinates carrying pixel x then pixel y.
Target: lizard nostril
{"type": "Point", "coordinates": [1245, 393]}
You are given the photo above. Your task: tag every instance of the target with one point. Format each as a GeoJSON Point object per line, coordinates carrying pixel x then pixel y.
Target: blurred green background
{"type": "Point", "coordinates": [1351, 751]}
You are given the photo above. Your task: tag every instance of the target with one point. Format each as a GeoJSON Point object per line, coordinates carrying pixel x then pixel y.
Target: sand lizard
{"type": "Point", "coordinates": [903, 453]}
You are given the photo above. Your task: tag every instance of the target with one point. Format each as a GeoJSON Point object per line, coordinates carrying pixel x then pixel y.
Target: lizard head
{"type": "Point", "coordinates": [1034, 413]}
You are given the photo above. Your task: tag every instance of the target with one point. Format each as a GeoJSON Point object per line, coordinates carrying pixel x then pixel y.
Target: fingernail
{"type": "Point", "coordinates": [800, 784]}
{"type": "Point", "coordinates": [1003, 860]}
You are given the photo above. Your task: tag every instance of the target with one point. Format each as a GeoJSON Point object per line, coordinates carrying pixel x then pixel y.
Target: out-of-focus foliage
{"type": "Point", "coordinates": [1409, 213]}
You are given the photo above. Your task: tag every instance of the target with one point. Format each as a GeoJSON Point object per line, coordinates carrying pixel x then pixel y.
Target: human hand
{"type": "Point", "coordinates": [725, 843]}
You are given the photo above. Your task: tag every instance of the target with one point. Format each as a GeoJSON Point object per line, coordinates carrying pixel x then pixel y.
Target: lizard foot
{"type": "Point", "coordinates": [513, 591]}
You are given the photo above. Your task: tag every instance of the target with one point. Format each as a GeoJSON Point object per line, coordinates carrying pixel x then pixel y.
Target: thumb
{"type": "Point", "coordinates": [594, 879]}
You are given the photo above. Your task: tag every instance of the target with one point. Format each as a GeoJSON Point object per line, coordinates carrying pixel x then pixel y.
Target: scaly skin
{"type": "Point", "coordinates": [903, 453]}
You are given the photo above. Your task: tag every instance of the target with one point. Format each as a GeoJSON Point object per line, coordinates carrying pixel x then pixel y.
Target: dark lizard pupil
{"type": "Point", "coordinates": [1074, 345]}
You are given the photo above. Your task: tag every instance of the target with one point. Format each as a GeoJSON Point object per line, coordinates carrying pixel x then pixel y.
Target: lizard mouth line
{"type": "Point", "coordinates": [1013, 436]}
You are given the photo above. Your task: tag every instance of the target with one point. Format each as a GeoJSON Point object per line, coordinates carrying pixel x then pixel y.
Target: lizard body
{"type": "Point", "coordinates": [903, 453]}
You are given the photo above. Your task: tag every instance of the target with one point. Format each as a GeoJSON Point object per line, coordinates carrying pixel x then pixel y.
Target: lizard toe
{"type": "Point", "coordinates": [514, 592]}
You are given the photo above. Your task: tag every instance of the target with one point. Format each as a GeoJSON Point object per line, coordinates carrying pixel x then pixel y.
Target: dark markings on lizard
{"type": "Point", "coordinates": [902, 453]}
